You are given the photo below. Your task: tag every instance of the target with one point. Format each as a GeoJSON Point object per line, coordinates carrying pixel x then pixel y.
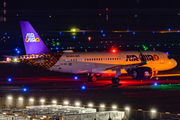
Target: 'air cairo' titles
{"type": "Point", "coordinates": [147, 57]}
{"type": "Point", "coordinates": [30, 37]}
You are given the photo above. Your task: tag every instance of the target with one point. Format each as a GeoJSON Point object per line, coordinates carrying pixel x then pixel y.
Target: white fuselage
{"type": "Point", "coordinates": [98, 62]}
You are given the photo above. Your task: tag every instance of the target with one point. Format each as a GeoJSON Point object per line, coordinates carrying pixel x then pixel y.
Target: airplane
{"type": "Point", "coordinates": [138, 64]}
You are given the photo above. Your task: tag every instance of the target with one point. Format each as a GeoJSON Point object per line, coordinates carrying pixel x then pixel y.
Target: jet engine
{"type": "Point", "coordinates": [140, 73]}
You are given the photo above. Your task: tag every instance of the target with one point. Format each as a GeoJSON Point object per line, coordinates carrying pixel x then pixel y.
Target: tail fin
{"type": "Point", "coordinates": [32, 42]}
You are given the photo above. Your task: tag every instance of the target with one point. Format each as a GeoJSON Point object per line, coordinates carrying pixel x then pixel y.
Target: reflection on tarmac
{"type": "Point", "coordinates": [36, 83]}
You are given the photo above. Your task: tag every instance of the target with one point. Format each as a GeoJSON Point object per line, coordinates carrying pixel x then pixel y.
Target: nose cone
{"type": "Point", "coordinates": [173, 63]}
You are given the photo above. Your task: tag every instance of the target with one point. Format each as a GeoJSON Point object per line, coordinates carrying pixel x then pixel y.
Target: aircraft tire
{"type": "Point", "coordinates": [92, 78]}
{"type": "Point", "coordinates": [115, 80]}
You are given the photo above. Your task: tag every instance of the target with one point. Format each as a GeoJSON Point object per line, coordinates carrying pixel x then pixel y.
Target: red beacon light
{"type": "Point", "coordinates": [113, 50]}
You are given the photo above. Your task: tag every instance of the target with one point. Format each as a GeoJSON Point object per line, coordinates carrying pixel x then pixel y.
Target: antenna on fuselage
{"type": "Point", "coordinates": [143, 60]}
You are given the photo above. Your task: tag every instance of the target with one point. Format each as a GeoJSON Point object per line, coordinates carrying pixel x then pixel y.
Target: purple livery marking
{"type": "Point", "coordinates": [33, 43]}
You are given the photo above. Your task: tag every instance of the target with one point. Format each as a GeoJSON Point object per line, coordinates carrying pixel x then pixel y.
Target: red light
{"type": "Point", "coordinates": [106, 8]}
{"type": "Point", "coordinates": [114, 50]}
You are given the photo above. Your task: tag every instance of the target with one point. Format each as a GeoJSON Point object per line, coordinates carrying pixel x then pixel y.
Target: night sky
{"type": "Point", "coordinates": [119, 4]}
{"type": "Point", "coordinates": [49, 18]}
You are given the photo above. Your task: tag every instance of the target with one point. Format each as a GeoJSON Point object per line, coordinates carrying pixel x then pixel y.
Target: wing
{"type": "Point", "coordinates": [129, 66]}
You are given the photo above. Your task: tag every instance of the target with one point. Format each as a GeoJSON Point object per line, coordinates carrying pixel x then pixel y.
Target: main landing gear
{"type": "Point", "coordinates": [154, 75]}
{"type": "Point", "coordinates": [116, 80]}
{"type": "Point", "coordinates": [92, 77]}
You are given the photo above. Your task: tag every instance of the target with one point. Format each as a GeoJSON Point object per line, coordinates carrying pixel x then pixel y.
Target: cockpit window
{"type": "Point", "coordinates": [169, 57]}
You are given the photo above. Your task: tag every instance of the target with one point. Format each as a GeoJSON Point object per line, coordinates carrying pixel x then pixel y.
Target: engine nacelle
{"type": "Point", "coordinates": [140, 73]}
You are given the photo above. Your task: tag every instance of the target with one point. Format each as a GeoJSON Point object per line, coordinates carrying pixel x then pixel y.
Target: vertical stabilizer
{"type": "Point", "coordinates": [32, 42]}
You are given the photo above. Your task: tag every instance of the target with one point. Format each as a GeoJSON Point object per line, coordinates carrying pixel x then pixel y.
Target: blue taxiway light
{"type": "Point", "coordinates": [155, 84]}
{"type": "Point", "coordinates": [83, 32]}
{"type": "Point", "coordinates": [74, 37]}
{"type": "Point", "coordinates": [16, 49]}
{"type": "Point", "coordinates": [153, 32]}
{"type": "Point", "coordinates": [83, 87]}
{"type": "Point", "coordinates": [75, 77]}
{"type": "Point", "coordinates": [9, 79]}
{"type": "Point", "coordinates": [24, 89]}
{"type": "Point", "coordinates": [57, 48]}
{"type": "Point", "coordinates": [5, 33]}
{"type": "Point", "coordinates": [101, 31]}
{"type": "Point", "coordinates": [60, 33]}
{"type": "Point", "coordinates": [134, 33]}
{"type": "Point", "coordinates": [127, 30]}
{"type": "Point", "coordinates": [103, 34]}
{"type": "Point", "coordinates": [169, 29]}
{"type": "Point", "coordinates": [167, 52]}
{"type": "Point", "coordinates": [18, 52]}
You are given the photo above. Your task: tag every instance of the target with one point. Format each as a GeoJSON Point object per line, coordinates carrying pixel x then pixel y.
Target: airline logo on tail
{"type": "Point", "coordinates": [30, 37]}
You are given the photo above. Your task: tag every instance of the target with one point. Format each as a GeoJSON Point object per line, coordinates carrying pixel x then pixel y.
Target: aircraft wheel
{"type": "Point", "coordinates": [92, 78]}
{"type": "Point", "coordinates": [115, 80]}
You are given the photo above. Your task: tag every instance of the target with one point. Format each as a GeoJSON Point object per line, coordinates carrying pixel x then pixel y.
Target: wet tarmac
{"type": "Point", "coordinates": [50, 85]}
